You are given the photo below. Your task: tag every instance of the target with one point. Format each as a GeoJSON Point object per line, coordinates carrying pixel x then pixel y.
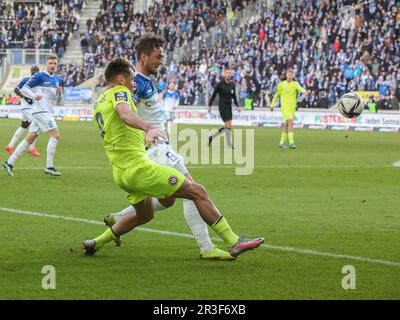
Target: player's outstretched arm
{"type": "Point", "coordinates": [126, 114]}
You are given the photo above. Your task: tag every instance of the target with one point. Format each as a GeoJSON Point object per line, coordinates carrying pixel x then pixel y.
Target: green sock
{"type": "Point", "coordinates": [283, 138]}
{"type": "Point", "coordinates": [105, 237]}
{"type": "Point", "coordinates": [291, 137]}
{"type": "Point", "coordinates": [222, 228]}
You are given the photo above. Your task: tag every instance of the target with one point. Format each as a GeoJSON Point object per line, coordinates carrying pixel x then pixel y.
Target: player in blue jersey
{"type": "Point", "coordinates": [151, 55]}
{"type": "Point", "coordinates": [42, 88]}
{"type": "Point", "coordinates": [170, 103]}
{"type": "Point", "coordinates": [26, 110]}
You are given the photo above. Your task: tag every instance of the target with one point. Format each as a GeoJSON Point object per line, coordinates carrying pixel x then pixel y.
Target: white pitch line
{"type": "Point", "coordinates": [63, 168]}
{"type": "Point", "coordinates": [184, 235]}
{"type": "Point", "coordinates": [396, 164]}
{"type": "Point", "coordinates": [211, 166]}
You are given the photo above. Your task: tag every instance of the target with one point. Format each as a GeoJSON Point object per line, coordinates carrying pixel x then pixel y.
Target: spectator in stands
{"type": "Point", "coordinates": [32, 24]}
{"type": "Point", "coordinates": [323, 100]}
{"type": "Point", "coordinates": [304, 35]}
{"type": "Point", "coordinates": [371, 105]}
{"type": "Point", "coordinates": [345, 68]}
{"type": "Point", "coordinates": [394, 102]}
{"type": "Point", "coordinates": [12, 100]}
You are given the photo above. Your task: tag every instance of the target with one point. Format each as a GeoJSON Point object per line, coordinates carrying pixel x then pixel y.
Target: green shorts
{"type": "Point", "coordinates": [148, 179]}
{"type": "Point", "coordinates": [288, 113]}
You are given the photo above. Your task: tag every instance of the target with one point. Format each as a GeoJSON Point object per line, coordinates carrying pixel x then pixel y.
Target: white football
{"type": "Point", "coordinates": [350, 105]}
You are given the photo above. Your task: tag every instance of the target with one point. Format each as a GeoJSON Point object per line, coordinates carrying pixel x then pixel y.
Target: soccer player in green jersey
{"type": "Point", "coordinates": [124, 136]}
{"type": "Point", "coordinates": [287, 92]}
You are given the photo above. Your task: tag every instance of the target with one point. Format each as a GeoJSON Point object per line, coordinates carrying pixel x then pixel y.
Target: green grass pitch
{"type": "Point", "coordinates": [337, 194]}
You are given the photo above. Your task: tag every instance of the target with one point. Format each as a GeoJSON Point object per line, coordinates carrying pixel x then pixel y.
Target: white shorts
{"type": "Point", "coordinates": [169, 115]}
{"type": "Point", "coordinates": [27, 115]}
{"type": "Point", "coordinates": [42, 122]}
{"type": "Point", "coordinates": [163, 154]}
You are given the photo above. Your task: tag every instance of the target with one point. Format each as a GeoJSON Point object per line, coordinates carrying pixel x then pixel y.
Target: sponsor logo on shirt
{"type": "Point", "coordinates": [173, 180]}
{"type": "Point", "coordinates": [121, 96]}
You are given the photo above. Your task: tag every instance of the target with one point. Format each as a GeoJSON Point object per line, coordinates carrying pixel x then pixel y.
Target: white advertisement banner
{"type": "Point", "coordinates": [303, 119]}
{"type": "Point", "coordinates": [14, 112]}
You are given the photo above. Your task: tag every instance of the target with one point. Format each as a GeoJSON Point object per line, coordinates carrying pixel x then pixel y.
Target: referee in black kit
{"type": "Point", "coordinates": [227, 91]}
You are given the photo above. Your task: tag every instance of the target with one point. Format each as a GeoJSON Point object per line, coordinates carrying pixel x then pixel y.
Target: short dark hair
{"type": "Point", "coordinates": [148, 42]}
{"type": "Point", "coordinates": [34, 69]}
{"type": "Point", "coordinates": [118, 66]}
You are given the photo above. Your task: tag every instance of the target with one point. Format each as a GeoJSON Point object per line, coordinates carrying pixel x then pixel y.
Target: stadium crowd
{"type": "Point", "coordinates": [44, 24]}
{"type": "Point", "coordinates": [116, 27]}
{"type": "Point", "coordinates": [330, 53]}
{"type": "Point", "coordinates": [9, 99]}
{"type": "Point", "coordinates": [328, 58]}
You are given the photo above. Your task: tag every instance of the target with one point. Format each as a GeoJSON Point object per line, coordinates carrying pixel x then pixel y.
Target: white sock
{"type": "Point", "coordinates": [124, 212]}
{"type": "Point", "coordinates": [157, 205]}
{"type": "Point", "coordinates": [131, 209]}
{"type": "Point", "coordinates": [32, 146]}
{"type": "Point", "coordinates": [197, 225]}
{"type": "Point", "coordinates": [17, 135]}
{"type": "Point", "coordinates": [51, 150]}
{"type": "Point", "coordinates": [228, 136]}
{"type": "Point", "coordinates": [169, 127]}
{"type": "Point", "coordinates": [220, 130]}
{"type": "Point", "coordinates": [18, 152]}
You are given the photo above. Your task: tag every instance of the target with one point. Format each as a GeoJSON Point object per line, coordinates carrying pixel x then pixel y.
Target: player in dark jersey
{"type": "Point", "coordinates": [226, 90]}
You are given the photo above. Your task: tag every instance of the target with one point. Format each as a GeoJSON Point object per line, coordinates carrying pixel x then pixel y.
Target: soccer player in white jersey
{"type": "Point", "coordinates": [42, 88]}
{"type": "Point", "coordinates": [151, 55]}
{"type": "Point", "coordinates": [170, 103]}
{"type": "Point", "coordinates": [26, 110]}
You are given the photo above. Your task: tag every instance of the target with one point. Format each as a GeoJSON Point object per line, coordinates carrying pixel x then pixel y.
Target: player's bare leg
{"type": "Point", "coordinates": [199, 229]}
{"type": "Point", "coordinates": [144, 212]}
{"type": "Point", "coordinates": [193, 219]}
{"type": "Point", "coordinates": [210, 214]}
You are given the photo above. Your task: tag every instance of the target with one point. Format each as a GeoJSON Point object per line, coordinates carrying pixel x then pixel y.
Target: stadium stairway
{"type": "Point", "coordinates": [74, 51]}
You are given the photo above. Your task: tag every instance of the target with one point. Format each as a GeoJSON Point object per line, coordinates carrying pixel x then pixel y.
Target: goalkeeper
{"type": "Point", "coordinates": [287, 92]}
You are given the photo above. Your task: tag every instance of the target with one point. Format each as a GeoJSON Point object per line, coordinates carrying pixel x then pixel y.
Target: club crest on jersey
{"type": "Point", "coordinates": [173, 180]}
{"type": "Point", "coordinates": [121, 96]}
